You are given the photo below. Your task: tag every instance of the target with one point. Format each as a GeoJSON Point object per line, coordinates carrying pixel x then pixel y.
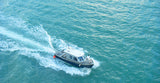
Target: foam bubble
{"type": "Point", "coordinates": [96, 63]}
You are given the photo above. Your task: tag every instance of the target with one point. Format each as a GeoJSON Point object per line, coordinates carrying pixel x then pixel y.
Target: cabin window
{"type": "Point", "coordinates": [70, 57]}
{"type": "Point", "coordinates": [75, 58]}
{"type": "Point", "coordinates": [80, 58]}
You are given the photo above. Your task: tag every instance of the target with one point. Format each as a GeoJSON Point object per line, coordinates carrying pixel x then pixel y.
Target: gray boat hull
{"type": "Point", "coordinates": [75, 64]}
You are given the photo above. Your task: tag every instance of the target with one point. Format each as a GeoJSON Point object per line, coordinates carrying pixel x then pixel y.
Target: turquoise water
{"type": "Point", "coordinates": [122, 37]}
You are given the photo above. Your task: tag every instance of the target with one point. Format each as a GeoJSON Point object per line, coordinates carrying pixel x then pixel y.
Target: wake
{"type": "Point", "coordinates": [34, 42]}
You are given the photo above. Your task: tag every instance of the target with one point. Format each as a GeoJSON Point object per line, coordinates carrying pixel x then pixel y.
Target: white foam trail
{"type": "Point", "coordinates": [16, 36]}
{"type": "Point", "coordinates": [73, 49]}
{"type": "Point", "coordinates": [55, 64]}
{"type": "Point", "coordinates": [30, 47]}
{"type": "Point", "coordinates": [46, 61]}
{"type": "Point", "coordinates": [74, 52]}
{"type": "Point", "coordinates": [49, 40]}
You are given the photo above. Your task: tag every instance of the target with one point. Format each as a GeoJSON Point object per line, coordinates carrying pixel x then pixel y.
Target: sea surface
{"type": "Point", "coordinates": [121, 36]}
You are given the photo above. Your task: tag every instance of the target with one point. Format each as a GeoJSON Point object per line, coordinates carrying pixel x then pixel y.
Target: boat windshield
{"type": "Point", "coordinates": [80, 59]}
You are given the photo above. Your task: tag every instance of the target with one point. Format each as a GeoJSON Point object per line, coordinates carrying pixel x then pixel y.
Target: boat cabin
{"type": "Point", "coordinates": [77, 60]}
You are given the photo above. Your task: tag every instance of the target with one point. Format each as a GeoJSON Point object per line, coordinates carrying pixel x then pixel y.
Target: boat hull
{"type": "Point", "coordinates": [75, 64]}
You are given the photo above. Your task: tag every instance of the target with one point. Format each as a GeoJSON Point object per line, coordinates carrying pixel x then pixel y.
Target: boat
{"type": "Point", "coordinates": [75, 60]}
